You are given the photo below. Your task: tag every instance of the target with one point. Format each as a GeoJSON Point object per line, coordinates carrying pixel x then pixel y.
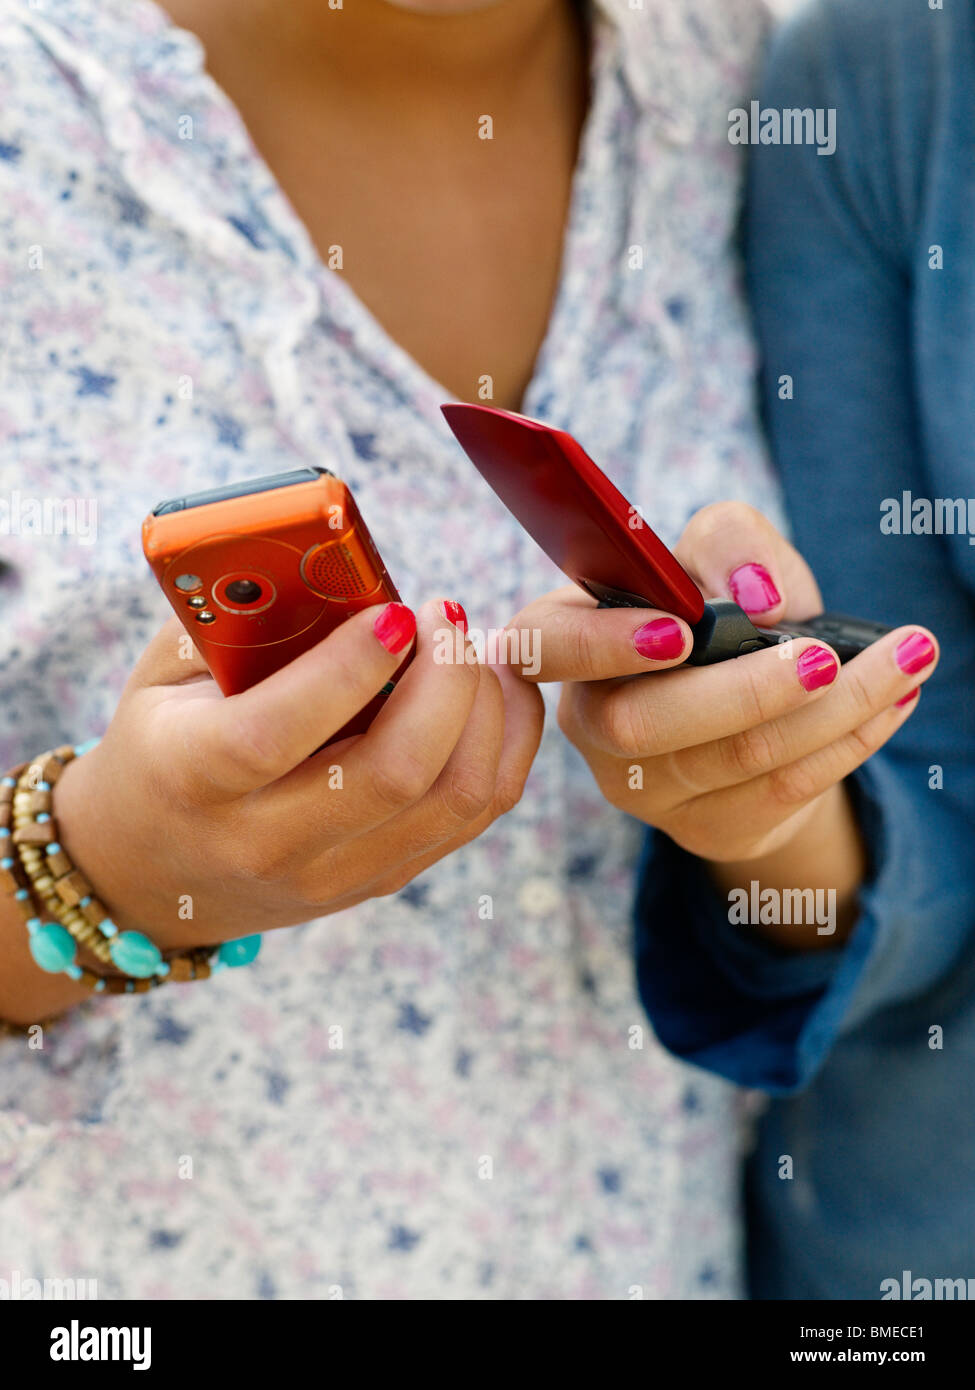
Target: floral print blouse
{"type": "Point", "coordinates": [410, 1099]}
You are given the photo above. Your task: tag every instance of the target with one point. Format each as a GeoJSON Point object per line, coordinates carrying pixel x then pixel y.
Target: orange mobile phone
{"type": "Point", "coordinates": [258, 572]}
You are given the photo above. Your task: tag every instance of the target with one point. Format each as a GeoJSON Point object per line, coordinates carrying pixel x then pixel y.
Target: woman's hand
{"type": "Point", "coordinates": [733, 761]}
{"type": "Point", "coordinates": [195, 798]}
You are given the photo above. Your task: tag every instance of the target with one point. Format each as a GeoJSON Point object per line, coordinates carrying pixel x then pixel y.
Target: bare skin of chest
{"type": "Point", "coordinates": [443, 203]}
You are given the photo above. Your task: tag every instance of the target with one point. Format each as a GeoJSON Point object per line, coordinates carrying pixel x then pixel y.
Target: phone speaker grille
{"type": "Point", "coordinates": [331, 570]}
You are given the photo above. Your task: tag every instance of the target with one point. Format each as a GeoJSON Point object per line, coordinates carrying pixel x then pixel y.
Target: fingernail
{"type": "Point", "coordinates": [395, 627]}
{"type": "Point", "coordinates": [816, 667]}
{"type": "Point", "coordinates": [455, 614]}
{"type": "Point", "coordinates": [914, 653]}
{"type": "Point", "coordinates": [909, 698]}
{"type": "Point", "coordinates": [752, 588]}
{"type": "Point", "coordinates": [660, 640]}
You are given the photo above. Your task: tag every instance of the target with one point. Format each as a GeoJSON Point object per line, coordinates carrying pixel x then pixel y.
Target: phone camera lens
{"type": "Point", "coordinates": [243, 591]}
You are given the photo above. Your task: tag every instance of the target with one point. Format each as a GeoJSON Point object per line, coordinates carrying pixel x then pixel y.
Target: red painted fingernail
{"type": "Point", "coordinates": [660, 640]}
{"type": "Point", "coordinates": [910, 697]}
{"type": "Point", "coordinates": [752, 588]}
{"type": "Point", "coordinates": [395, 627]}
{"type": "Point", "coordinates": [914, 653]}
{"type": "Point", "coordinates": [816, 667]}
{"type": "Point", "coordinates": [455, 614]}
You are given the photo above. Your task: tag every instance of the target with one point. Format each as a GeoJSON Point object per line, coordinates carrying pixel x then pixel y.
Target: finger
{"type": "Point", "coordinates": [698, 705]}
{"type": "Point", "coordinates": [465, 787]}
{"type": "Point", "coordinates": [565, 636]}
{"type": "Point", "coordinates": [524, 720]}
{"type": "Point", "coordinates": [882, 674]}
{"type": "Point", "coordinates": [458, 797]}
{"type": "Point", "coordinates": [738, 818]}
{"type": "Point", "coordinates": [364, 782]}
{"type": "Point", "coordinates": [236, 745]}
{"type": "Point", "coordinates": [420, 841]}
{"type": "Point", "coordinates": [734, 551]}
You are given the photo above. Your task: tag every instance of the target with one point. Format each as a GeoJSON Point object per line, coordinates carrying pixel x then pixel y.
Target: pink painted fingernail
{"type": "Point", "coordinates": [914, 653]}
{"type": "Point", "coordinates": [395, 627]}
{"type": "Point", "coordinates": [455, 614]}
{"type": "Point", "coordinates": [660, 640]}
{"type": "Point", "coordinates": [909, 698]}
{"type": "Point", "coordinates": [752, 588]}
{"type": "Point", "coordinates": [816, 667]}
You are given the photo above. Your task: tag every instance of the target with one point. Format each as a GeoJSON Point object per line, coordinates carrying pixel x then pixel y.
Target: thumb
{"type": "Point", "coordinates": [735, 552]}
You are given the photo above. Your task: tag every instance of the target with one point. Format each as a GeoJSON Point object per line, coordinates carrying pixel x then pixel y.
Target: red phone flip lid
{"type": "Point", "coordinates": [568, 505]}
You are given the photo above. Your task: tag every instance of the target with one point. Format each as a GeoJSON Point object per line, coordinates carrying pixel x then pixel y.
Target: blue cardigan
{"type": "Point", "coordinates": [878, 1119]}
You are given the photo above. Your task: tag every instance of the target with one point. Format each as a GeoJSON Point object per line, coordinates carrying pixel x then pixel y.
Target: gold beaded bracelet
{"type": "Point", "coordinates": [51, 875]}
{"type": "Point", "coordinates": [36, 869]}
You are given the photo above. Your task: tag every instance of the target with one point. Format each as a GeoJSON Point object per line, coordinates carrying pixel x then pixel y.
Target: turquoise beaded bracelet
{"type": "Point", "coordinates": [43, 870]}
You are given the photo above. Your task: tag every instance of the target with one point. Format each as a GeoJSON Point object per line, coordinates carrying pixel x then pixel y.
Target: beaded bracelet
{"type": "Point", "coordinates": [52, 943]}
{"type": "Point", "coordinates": [66, 893]}
{"type": "Point", "coordinates": [42, 874]}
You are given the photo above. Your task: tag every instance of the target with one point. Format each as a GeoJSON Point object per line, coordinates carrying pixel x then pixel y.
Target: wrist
{"type": "Point", "coordinates": [104, 844]}
{"type": "Point", "coordinates": [70, 931]}
{"type": "Point", "coordinates": [824, 853]}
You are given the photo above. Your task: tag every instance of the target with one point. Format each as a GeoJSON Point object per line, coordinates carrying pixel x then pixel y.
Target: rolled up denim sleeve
{"type": "Point", "coordinates": [853, 327]}
{"type": "Point", "coordinates": [722, 997]}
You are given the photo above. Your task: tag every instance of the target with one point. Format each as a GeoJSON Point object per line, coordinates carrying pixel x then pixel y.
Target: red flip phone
{"type": "Point", "coordinates": [598, 539]}
{"type": "Point", "coordinates": [259, 572]}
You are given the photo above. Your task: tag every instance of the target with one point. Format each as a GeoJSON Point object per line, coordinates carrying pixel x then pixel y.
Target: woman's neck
{"type": "Point", "coordinates": [373, 47]}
